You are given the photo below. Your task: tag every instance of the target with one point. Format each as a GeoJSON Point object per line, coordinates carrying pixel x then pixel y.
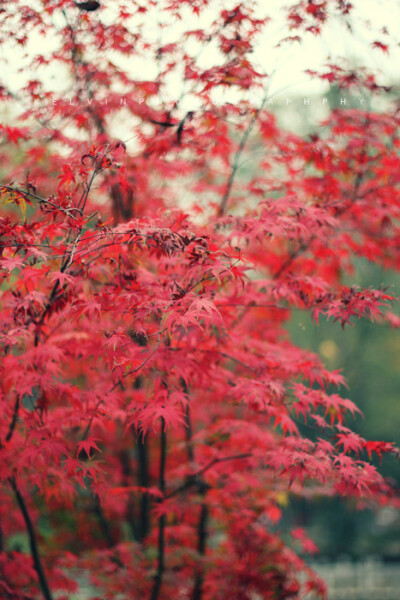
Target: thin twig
{"type": "Point", "coordinates": [235, 164]}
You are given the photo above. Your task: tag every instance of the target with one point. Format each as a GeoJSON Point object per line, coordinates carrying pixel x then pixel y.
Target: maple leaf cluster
{"type": "Point", "coordinates": [152, 403]}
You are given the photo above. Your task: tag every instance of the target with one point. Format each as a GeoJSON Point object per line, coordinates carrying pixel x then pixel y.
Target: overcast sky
{"type": "Point", "coordinates": [288, 63]}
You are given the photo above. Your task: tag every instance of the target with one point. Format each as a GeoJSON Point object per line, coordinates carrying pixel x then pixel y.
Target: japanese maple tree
{"type": "Point", "coordinates": [151, 399]}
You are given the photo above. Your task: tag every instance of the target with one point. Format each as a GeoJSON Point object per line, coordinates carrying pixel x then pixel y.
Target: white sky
{"type": "Point", "coordinates": [289, 63]}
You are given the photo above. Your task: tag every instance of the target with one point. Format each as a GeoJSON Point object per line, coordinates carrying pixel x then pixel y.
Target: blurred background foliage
{"type": "Point", "coordinates": [368, 354]}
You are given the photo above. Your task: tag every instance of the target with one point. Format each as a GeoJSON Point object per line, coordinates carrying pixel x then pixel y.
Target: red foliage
{"type": "Point", "coordinates": [151, 400]}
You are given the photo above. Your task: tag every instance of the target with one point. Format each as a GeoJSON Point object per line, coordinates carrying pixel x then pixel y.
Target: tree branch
{"type": "Point", "coordinates": [143, 476]}
{"type": "Point", "coordinates": [130, 512]}
{"type": "Point", "coordinates": [193, 480]}
{"type": "Point", "coordinates": [201, 549]}
{"type": "Point", "coordinates": [161, 522]}
{"type": "Point", "coordinates": [14, 419]}
{"type": "Point", "coordinates": [235, 164]}
{"type": "Point", "coordinates": [202, 526]}
{"type": "Point", "coordinates": [37, 561]}
{"type": "Point", "coordinates": [188, 423]}
{"type": "Point", "coordinates": [103, 522]}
